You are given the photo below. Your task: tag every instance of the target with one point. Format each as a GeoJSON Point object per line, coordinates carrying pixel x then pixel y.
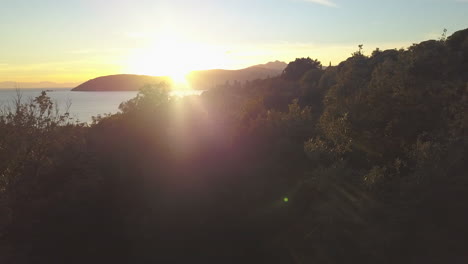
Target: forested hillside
{"type": "Point", "coordinates": [363, 162]}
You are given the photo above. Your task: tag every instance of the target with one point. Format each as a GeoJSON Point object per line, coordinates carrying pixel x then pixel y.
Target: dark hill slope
{"type": "Point", "coordinates": [202, 80]}
{"type": "Point", "coordinates": [121, 82]}
{"type": "Point", "coordinates": [207, 79]}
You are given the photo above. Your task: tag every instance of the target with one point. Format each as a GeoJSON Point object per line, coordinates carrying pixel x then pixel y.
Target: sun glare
{"type": "Point", "coordinates": [176, 59]}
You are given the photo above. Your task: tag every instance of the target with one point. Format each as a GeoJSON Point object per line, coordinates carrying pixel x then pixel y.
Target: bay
{"type": "Point", "coordinates": [82, 105]}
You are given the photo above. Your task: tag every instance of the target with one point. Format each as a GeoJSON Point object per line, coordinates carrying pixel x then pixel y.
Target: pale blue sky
{"type": "Point", "coordinates": [74, 40]}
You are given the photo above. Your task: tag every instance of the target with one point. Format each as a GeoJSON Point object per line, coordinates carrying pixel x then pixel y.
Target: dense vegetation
{"type": "Point", "coordinates": [364, 162]}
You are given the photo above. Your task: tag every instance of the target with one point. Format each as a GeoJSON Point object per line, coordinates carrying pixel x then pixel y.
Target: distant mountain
{"type": "Point", "coordinates": [273, 65]}
{"type": "Point", "coordinates": [7, 85]}
{"type": "Point", "coordinates": [207, 79]}
{"type": "Point", "coordinates": [120, 82]}
{"type": "Point", "coordinates": [201, 80]}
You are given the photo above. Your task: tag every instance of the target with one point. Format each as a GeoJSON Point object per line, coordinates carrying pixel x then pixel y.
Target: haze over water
{"type": "Point", "coordinates": [84, 105]}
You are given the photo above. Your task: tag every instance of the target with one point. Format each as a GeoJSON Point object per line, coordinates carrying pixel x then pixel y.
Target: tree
{"type": "Point", "coordinates": [296, 69]}
{"type": "Point", "coordinates": [149, 97]}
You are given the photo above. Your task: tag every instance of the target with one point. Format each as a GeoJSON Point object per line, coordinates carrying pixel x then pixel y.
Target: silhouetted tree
{"type": "Point", "coordinates": [296, 69]}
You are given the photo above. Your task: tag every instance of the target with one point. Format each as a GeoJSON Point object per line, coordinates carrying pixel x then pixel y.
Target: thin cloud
{"type": "Point", "coordinates": [322, 2]}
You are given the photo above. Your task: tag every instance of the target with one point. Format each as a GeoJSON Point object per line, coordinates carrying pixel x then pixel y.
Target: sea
{"type": "Point", "coordinates": [82, 106]}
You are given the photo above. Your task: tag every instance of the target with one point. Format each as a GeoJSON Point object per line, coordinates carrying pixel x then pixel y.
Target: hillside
{"type": "Point", "coordinates": [120, 82]}
{"type": "Point", "coordinates": [363, 162]}
{"type": "Point", "coordinates": [201, 80]}
{"type": "Point", "coordinates": [273, 65]}
{"type": "Point", "coordinates": [211, 78]}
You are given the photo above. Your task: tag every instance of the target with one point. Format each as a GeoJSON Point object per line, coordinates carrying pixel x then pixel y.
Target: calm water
{"type": "Point", "coordinates": [84, 105]}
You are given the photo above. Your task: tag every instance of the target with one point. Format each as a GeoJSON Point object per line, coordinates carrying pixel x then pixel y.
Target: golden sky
{"type": "Point", "coordinates": [76, 40]}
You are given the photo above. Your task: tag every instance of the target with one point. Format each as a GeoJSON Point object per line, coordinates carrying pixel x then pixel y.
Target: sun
{"type": "Point", "coordinates": [179, 78]}
{"type": "Point", "coordinates": [165, 58]}
{"type": "Point", "coordinates": [175, 59]}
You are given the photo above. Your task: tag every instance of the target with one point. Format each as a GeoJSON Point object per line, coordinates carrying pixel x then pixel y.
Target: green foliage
{"type": "Point", "coordinates": [148, 98]}
{"type": "Point", "coordinates": [40, 160]}
{"type": "Point", "coordinates": [365, 161]}
{"type": "Point", "coordinates": [296, 69]}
